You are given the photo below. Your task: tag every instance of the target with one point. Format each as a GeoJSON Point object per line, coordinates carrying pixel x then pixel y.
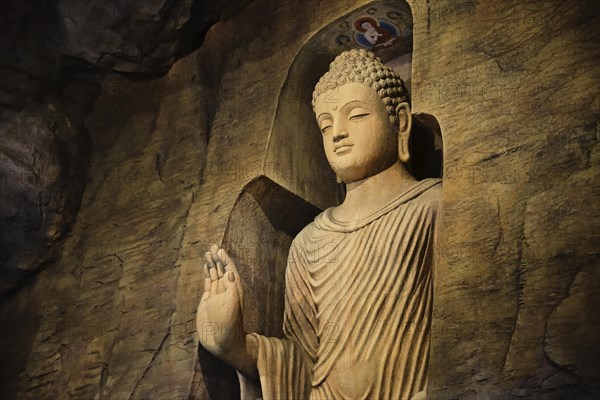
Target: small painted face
{"type": "Point", "coordinates": [366, 25]}
{"type": "Point", "coordinates": [358, 137]}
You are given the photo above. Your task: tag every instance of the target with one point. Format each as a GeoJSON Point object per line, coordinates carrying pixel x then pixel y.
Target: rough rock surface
{"type": "Point", "coordinates": [53, 54]}
{"type": "Point", "coordinates": [514, 87]}
{"type": "Point", "coordinates": [43, 159]}
{"type": "Point", "coordinates": [109, 299]}
{"type": "Point", "coordinates": [519, 110]}
{"type": "Point", "coordinates": [40, 39]}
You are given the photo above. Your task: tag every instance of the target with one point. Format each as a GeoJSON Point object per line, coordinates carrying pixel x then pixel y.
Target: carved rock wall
{"type": "Point", "coordinates": [43, 161]}
{"type": "Point", "coordinates": [53, 56]}
{"type": "Point", "coordinates": [514, 87]}
{"type": "Point", "coordinates": [96, 322]}
{"type": "Point", "coordinates": [40, 39]}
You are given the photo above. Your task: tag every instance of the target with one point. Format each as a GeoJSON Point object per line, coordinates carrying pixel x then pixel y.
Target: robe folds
{"type": "Point", "coordinates": [358, 305]}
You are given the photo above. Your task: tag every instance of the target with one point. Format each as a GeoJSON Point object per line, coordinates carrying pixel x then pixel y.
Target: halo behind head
{"type": "Point", "coordinates": [358, 23]}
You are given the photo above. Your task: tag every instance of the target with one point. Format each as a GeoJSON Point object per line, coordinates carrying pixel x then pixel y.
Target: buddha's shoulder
{"type": "Point", "coordinates": [308, 232]}
{"type": "Point", "coordinates": [432, 196]}
{"type": "Point", "coordinates": [313, 232]}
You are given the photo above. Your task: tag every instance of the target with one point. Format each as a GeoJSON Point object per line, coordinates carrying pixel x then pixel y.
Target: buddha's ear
{"type": "Point", "coordinates": [404, 128]}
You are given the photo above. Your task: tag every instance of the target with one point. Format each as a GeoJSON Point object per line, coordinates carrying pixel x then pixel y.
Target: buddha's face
{"type": "Point", "coordinates": [358, 137]}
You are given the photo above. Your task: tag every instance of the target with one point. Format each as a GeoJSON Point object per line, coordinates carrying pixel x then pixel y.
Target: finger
{"type": "Point", "coordinates": [224, 257]}
{"type": "Point", "coordinates": [214, 249]}
{"type": "Point", "coordinates": [220, 269]}
{"type": "Point", "coordinates": [220, 272]}
{"type": "Point", "coordinates": [229, 281]}
{"type": "Point", "coordinates": [206, 294]}
{"type": "Point", "coordinates": [212, 270]}
{"type": "Point", "coordinates": [213, 275]}
{"type": "Point", "coordinates": [229, 266]}
{"type": "Point", "coordinates": [228, 263]}
{"type": "Point", "coordinates": [209, 260]}
{"type": "Point", "coordinates": [221, 285]}
{"type": "Point", "coordinates": [207, 283]}
{"type": "Point", "coordinates": [214, 283]}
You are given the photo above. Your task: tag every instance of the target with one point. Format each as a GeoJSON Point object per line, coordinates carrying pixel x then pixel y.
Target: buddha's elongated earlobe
{"type": "Point", "coordinates": [404, 128]}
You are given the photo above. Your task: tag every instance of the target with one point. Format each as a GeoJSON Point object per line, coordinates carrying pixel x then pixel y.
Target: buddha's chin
{"type": "Point", "coordinates": [351, 167]}
{"type": "Point", "coordinates": [349, 175]}
{"type": "Point", "coordinates": [353, 172]}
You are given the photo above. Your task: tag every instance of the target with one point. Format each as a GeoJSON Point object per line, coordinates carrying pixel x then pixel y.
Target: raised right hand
{"type": "Point", "coordinates": [219, 319]}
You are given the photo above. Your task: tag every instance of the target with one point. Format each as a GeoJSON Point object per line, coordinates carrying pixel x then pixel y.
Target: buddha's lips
{"type": "Point", "coordinates": [342, 146]}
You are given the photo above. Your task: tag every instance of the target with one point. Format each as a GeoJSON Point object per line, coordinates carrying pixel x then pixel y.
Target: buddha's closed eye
{"type": "Point", "coordinates": [326, 128]}
{"type": "Point", "coordinates": [359, 116]}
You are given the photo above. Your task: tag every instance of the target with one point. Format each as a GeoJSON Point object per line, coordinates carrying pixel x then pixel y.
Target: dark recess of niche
{"type": "Point", "coordinates": [427, 158]}
{"type": "Point", "coordinates": [286, 211]}
{"type": "Point", "coordinates": [220, 379]}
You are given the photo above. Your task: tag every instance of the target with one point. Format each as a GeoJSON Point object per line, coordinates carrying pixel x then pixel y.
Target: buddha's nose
{"type": "Point", "coordinates": [339, 136]}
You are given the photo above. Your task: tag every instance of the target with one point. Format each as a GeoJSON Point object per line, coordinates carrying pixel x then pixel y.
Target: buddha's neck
{"type": "Point", "coordinates": [370, 194]}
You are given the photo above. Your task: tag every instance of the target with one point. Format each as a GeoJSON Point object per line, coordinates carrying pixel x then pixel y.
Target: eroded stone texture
{"type": "Point", "coordinates": [40, 39]}
{"type": "Point", "coordinates": [519, 114]}
{"type": "Point", "coordinates": [30, 57]}
{"type": "Point", "coordinates": [123, 35]}
{"type": "Point", "coordinates": [47, 47]}
{"type": "Point", "coordinates": [42, 165]}
{"type": "Point", "coordinates": [513, 86]}
{"type": "Point", "coordinates": [110, 298]}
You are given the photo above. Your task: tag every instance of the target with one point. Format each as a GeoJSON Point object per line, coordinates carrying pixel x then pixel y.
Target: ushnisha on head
{"type": "Point", "coordinates": [362, 66]}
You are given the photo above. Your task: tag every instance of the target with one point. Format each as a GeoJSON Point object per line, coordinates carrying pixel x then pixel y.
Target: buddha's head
{"type": "Point", "coordinates": [363, 111]}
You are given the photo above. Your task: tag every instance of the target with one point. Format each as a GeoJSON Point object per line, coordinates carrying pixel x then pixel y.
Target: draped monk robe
{"type": "Point", "coordinates": [357, 306]}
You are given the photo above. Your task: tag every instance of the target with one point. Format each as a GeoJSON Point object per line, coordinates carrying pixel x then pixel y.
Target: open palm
{"type": "Point", "coordinates": [219, 318]}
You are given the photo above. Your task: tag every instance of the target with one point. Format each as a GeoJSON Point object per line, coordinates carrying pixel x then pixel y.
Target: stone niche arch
{"type": "Point", "coordinates": [261, 226]}
{"type": "Point", "coordinates": [296, 182]}
{"type": "Point", "coordinates": [295, 158]}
